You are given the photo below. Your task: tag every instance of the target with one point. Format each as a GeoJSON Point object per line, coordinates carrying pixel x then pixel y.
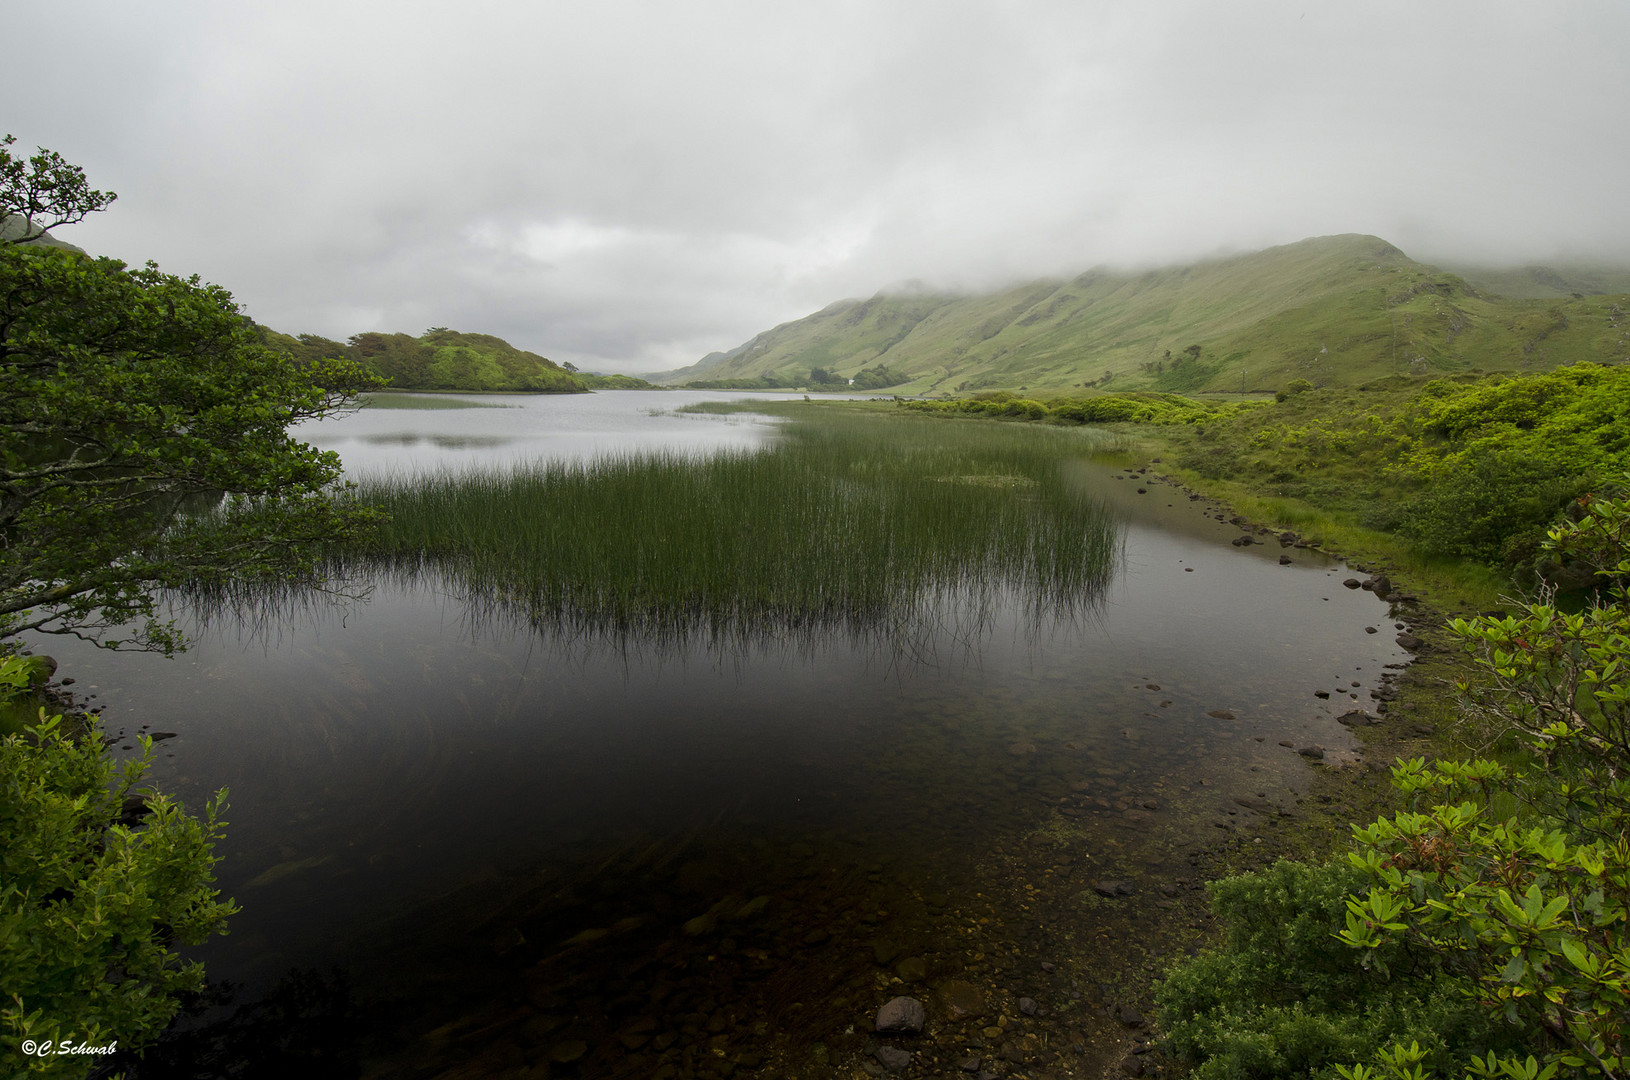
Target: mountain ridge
{"type": "Point", "coordinates": [1336, 310]}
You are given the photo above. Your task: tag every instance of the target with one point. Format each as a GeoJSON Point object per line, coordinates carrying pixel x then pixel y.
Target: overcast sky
{"type": "Point", "coordinates": [630, 185]}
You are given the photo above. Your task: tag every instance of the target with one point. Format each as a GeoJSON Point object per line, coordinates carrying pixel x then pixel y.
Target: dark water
{"type": "Point", "coordinates": [536, 854]}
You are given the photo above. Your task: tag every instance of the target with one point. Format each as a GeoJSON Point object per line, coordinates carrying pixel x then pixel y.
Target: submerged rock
{"type": "Point", "coordinates": [962, 1000]}
{"type": "Point", "coordinates": [905, 1015]}
{"type": "Point", "coordinates": [753, 907]}
{"type": "Point", "coordinates": [893, 1058]}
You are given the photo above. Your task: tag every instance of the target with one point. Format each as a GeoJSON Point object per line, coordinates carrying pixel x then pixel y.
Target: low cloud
{"type": "Point", "coordinates": [628, 185]}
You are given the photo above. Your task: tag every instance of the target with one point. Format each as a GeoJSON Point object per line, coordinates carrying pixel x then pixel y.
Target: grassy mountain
{"type": "Point", "coordinates": [441, 359]}
{"type": "Point", "coordinates": [1336, 310]}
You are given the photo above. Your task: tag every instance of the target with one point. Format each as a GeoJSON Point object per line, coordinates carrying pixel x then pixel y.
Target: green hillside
{"type": "Point", "coordinates": [1335, 310]}
{"type": "Point", "coordinates": [441, 359]}
{"type": "Point", "coordinates": [1548, 282]}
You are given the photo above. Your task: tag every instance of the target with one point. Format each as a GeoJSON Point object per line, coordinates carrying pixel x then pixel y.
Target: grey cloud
{"type": "Point", "coordinates": [631, 184]}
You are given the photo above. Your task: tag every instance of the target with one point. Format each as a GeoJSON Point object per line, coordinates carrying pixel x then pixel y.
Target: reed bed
{"type": "Point", "coordinates": [866, 523]}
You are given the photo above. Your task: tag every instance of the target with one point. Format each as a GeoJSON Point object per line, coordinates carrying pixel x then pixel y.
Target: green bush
{"type": "Point", "coordinates": [1140, 408]}
{"type": "Point", "coordinates": [1492, 935]}
{"type": "Point", "coordinates": [91, 903]}
{"type": "Point", "coordinates": [1282, 997]}
{"type": "Point", "coordinates": [1492, 506]}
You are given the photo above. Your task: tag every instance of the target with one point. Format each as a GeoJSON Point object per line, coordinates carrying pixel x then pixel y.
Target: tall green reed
{"type": "Point", "coordinates": [869, 524]}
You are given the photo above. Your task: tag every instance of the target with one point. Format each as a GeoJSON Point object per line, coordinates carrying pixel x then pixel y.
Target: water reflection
{"type": "Point", "coordinates": [516, 429]}
{"type": "Point", "coordinates": [441, 442]}
{"type": "Point", "coordinates": [677, 852]}
{"type": "Point", "coordinates": [380, 754]}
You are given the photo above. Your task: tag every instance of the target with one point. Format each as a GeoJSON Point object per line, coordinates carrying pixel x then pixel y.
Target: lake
{"type": "Point", "coordinates": [492, 847]}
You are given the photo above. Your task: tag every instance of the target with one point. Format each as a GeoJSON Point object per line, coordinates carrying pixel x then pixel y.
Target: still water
{"type": "Point", "coordinates": [674, 862]}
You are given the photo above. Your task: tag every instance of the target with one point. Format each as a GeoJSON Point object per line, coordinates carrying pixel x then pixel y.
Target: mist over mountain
{"type": "Point", "coordinates": [1335, 310]}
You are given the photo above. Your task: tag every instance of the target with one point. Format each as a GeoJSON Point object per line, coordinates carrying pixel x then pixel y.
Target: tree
{"type": "Point", "coordinates": [44, 191]}
{"type": "Point", "coordinates": [144, 437]}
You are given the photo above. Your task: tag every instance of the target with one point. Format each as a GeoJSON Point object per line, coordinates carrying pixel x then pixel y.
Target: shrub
{"type": "Point", "coordinates": [1283, 997]}
{"type": "Point", "coordinates": [1491, 505]}
{"type": "Point", "coordinates": [91, 900]}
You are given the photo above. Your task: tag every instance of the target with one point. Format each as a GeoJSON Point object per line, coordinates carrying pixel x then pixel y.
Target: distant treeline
{"type": "Point", "coordinates": [443, 359]}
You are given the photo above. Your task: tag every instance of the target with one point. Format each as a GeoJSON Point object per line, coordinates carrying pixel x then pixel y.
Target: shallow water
{"type": "Point", "coordinates": [562, 846]}
{"type": "Point", "coordinates": [526, 427]}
